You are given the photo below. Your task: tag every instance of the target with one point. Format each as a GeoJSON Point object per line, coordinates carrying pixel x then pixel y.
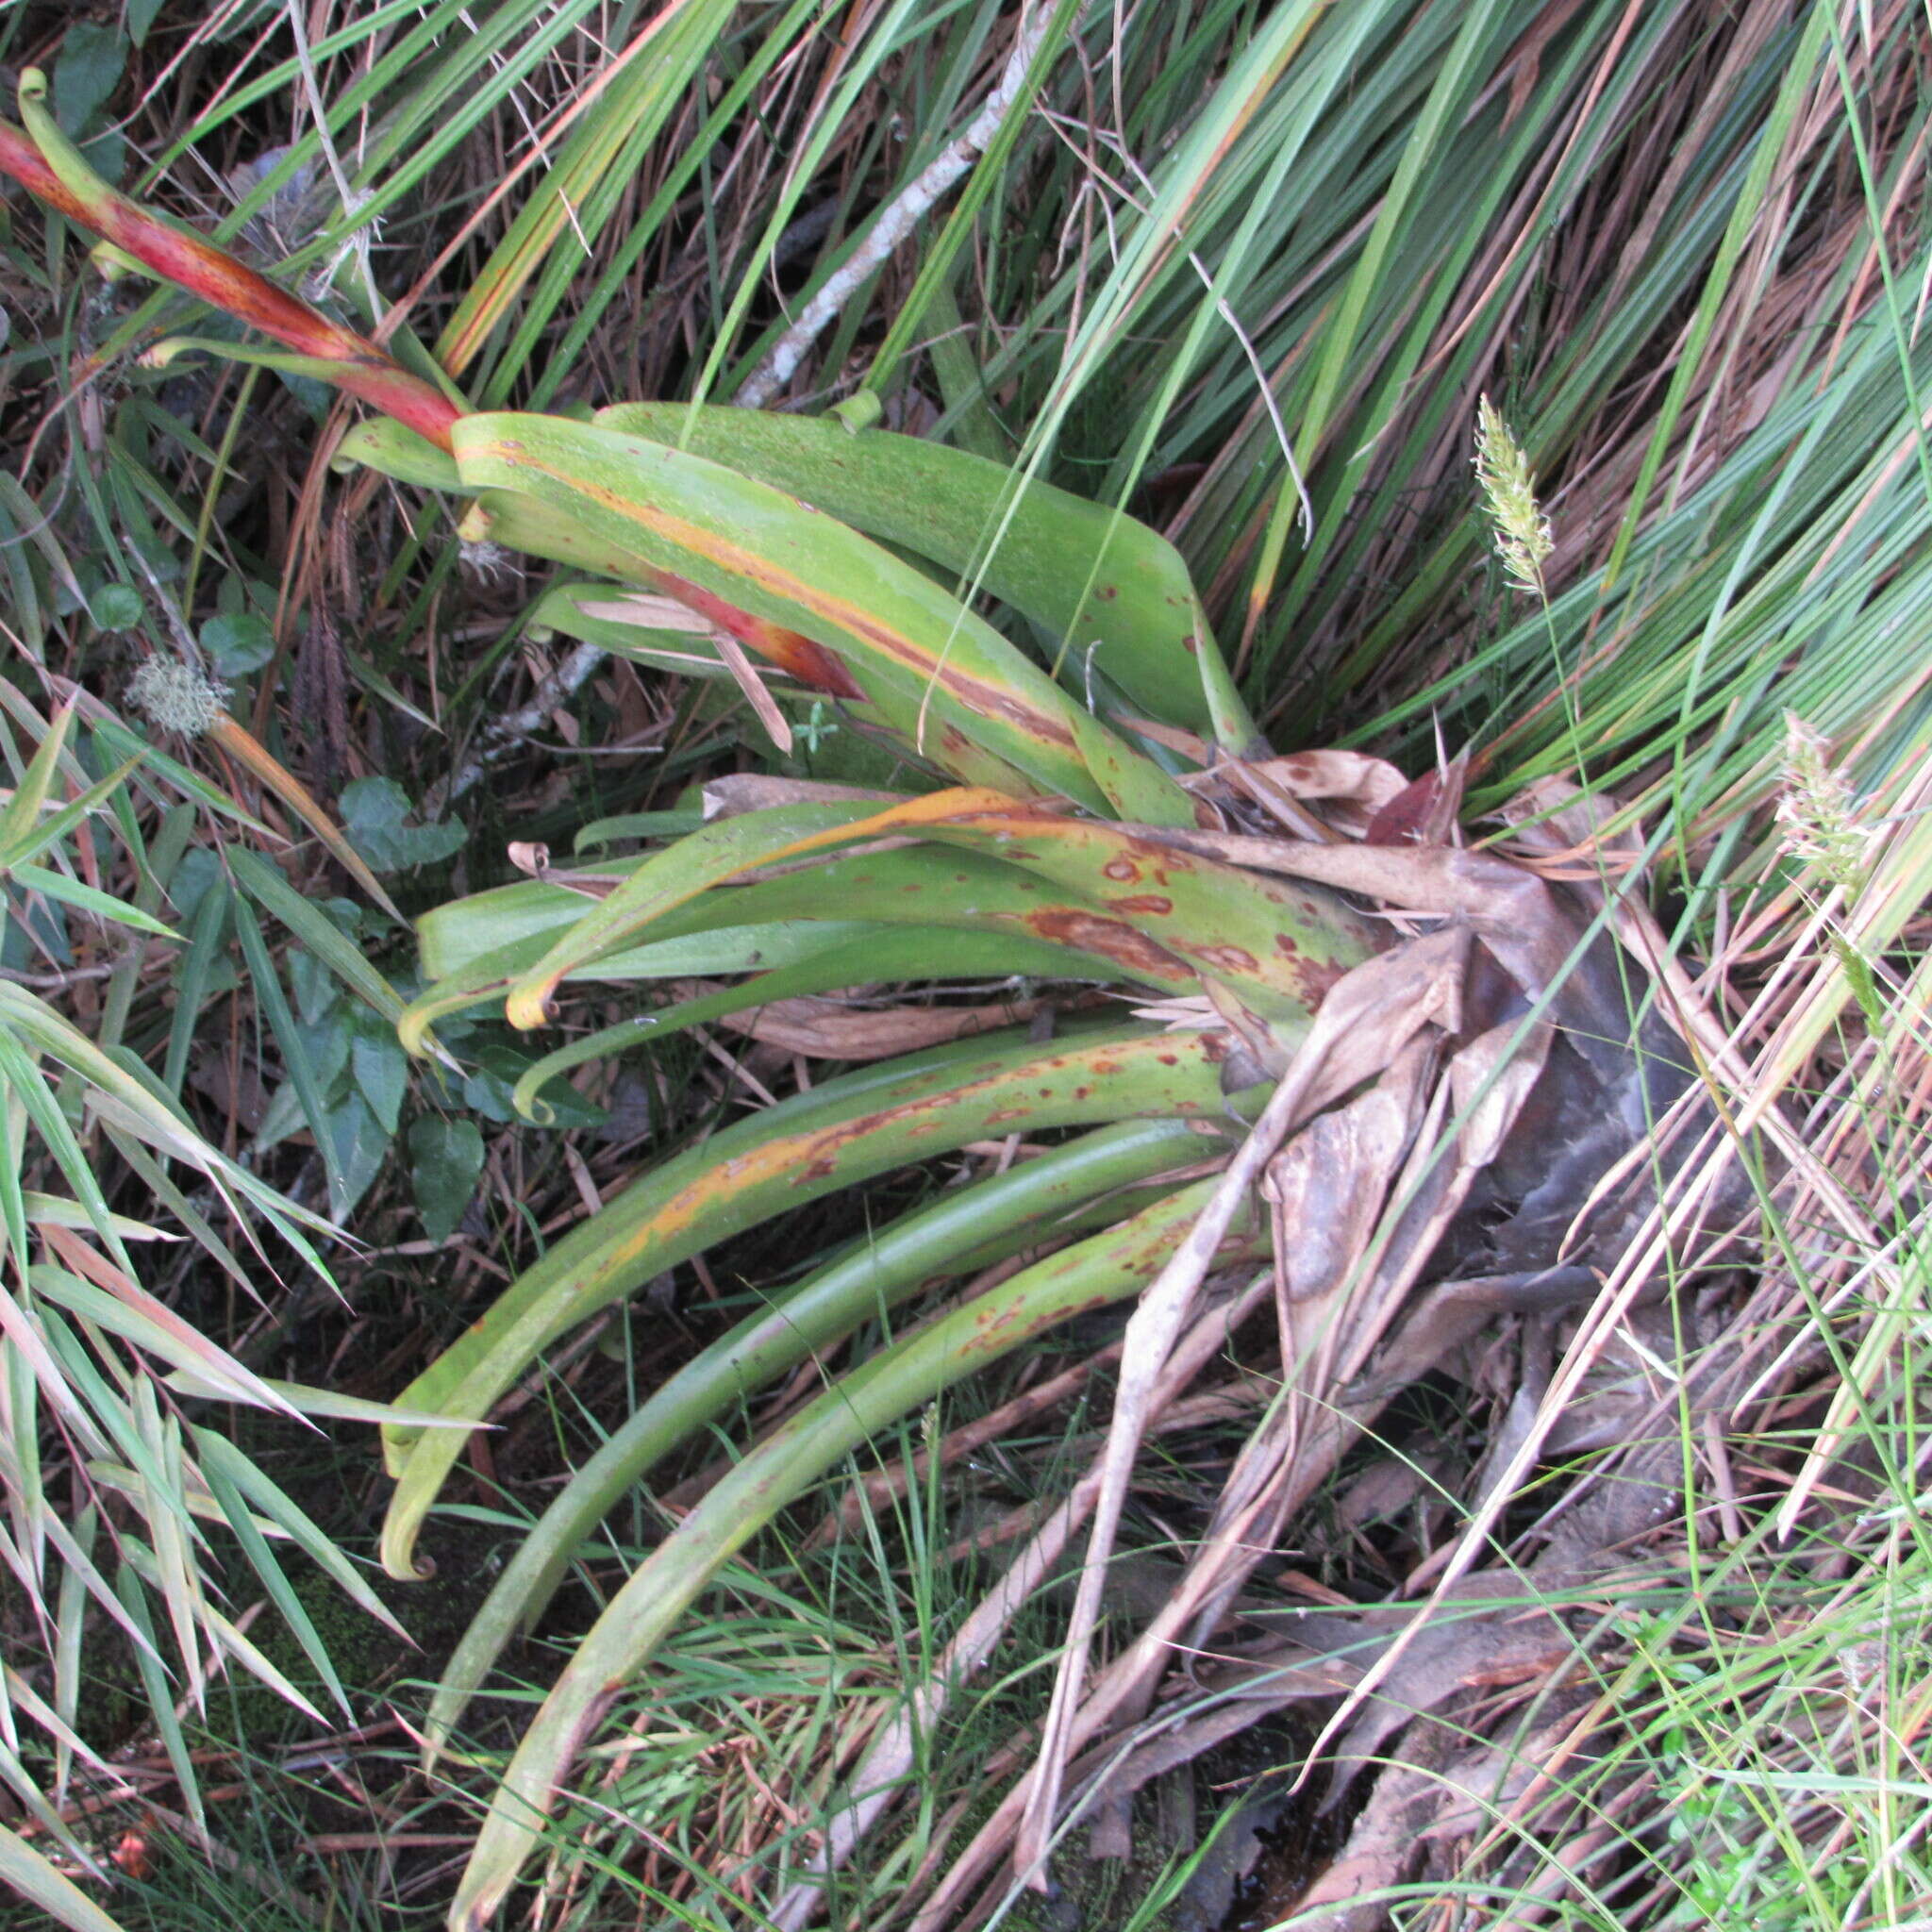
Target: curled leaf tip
{"type": "Point", "coordinates": [528, 1006]}
{"type": "Point", "coordinates": [399, 1555]}
{"type": "Point", "coordinates": [527, 1100]}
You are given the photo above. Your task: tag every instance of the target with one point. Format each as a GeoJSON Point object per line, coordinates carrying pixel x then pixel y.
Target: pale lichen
{"type": "Point", "coordinates": [177, 697]}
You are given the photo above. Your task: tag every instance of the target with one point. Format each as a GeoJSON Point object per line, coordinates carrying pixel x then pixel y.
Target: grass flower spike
{"type": "Point", "coordinates": [1815, 810]}
{"type": "Point", "coordinates": [1523, 532]}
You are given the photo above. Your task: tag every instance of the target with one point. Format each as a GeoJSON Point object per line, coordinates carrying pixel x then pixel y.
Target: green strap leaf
{"type": "Point", "coordinates": [878, 1273]}
{"type": "Point", "coordinates": [842, 1132]}
{"type": "Point", "coordinates": [665, 881]}
{"type": "Point", "coordinates": [758, 839]}
{"type": "Point", "coordinates": [1086, 574]}
{"type": "Point", "coordinates": [1107, 1268]}
{"type": "Point", "coordinates": [887, 637]}
{"type": "Point", "coordinates": [506, 931]}
{"type": "Point", "coordinates": [875, 958]}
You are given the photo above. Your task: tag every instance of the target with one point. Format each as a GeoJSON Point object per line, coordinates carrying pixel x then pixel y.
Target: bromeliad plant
{"type": "Point", "coordinates": [1109, 816]}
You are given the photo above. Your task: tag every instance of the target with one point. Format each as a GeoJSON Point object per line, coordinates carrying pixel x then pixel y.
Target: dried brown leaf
{"type": "Point", "coordinates": [827, 1029]}
{"type": "Point", "coordinates": [1426, 813]}
{"type": "Point", "coordinates": [1352, 787]}
{"type": "Point", "coordinates": [742, 792]}
{"type": "Point", "coordinates": [1368, 1016]}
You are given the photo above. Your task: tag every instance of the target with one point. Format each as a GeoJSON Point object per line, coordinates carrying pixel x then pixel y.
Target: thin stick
{"type": "Point", "coordinates": [899, 217]}
{"type": "Point", "coordinates": [504, 734]}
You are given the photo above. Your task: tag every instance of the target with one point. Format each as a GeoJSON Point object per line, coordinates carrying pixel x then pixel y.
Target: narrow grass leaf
{"type": "Point", "coordinates": [41, 1886]}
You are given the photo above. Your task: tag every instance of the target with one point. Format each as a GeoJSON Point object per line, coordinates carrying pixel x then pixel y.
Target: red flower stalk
{"type": "Point", "coordinates": [47, 164]}
{"type": "Point", "coordinates": [44, 162]}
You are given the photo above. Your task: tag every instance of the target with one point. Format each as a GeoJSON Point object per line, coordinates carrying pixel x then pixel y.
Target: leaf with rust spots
{"type": "Point", "coordinates": [1112, 939]}
{"type": "Point", "coordinates": [790, 650]}
{"type": "Point", "coordinates": [922, 658]}
{"type": "Point", "coordinates": [1232, 961]}
{"type": "Point", "coordinates": [1031, 545]}
{"type": "Point", "coordinates": [736, 848]}
{"type": "Point", "coordinates": [1210, 918]}
{"type": "Point", "coordinates": [848, 1129]}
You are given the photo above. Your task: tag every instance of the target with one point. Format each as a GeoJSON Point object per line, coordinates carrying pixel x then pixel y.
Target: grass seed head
{"type": "Point", "coordinates": [1815, 811]}
{"type": "Point", "coordinates": [1523, 532]}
